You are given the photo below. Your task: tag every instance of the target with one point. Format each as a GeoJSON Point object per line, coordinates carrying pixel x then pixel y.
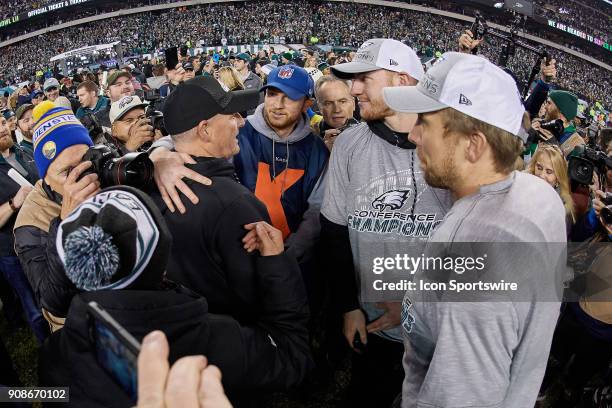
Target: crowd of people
{"type": "Point", "coordinates": [592, 17]}
{"type": "Point", "coordinates": [588, 16]}
{"type": "Point", "coordinates": [335, 24]}
{"type": "Point", "coordinates": [241, 204]}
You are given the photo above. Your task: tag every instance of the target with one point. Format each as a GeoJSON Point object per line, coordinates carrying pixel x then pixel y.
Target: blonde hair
{"type": "Point", "coordinates": [231, 78]}
{"type": "Point", "coordinates": [505, 146]}
{"type": "Point", "coordinates": [559, 165]}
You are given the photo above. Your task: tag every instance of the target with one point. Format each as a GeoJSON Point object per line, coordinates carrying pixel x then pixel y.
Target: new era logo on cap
{"type": "Point", "coordinates": [493, 95]}
{"type": "Point", "coordinates": [463, 100]}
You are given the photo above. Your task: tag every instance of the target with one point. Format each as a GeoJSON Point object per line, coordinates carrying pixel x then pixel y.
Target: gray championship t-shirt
{"type": "Point", "coordinates": [378, 191]}
{"type": "Point", "coordinates": [476, 353]}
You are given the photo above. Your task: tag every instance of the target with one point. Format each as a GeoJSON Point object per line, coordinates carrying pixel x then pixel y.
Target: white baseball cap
{"type": "Point", "coordinates": [381, 53]}
{"type": "Point", "coordinates": [467, 83]}
{"type": "Point", "coordinates": [123, 106]}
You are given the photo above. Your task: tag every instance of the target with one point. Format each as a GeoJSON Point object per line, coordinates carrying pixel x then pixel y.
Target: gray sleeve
{"type": "Point", "coordinates": [165, 141]}
{"type": "Point", "coordinates": [334, 202]}
{"type": "Point", "coordinates": [301, 241]}
{"type": "Point", "coordinates": [472, 360]}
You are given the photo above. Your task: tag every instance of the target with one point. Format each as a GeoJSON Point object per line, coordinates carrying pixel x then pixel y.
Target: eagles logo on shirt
{"type": "Point", "coordinates": [392, 200]}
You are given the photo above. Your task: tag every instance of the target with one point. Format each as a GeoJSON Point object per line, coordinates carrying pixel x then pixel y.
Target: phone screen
{"type": "Point", "coordinates": [116, 350]}
{"type": "Point", "coordinates": [171, 55]}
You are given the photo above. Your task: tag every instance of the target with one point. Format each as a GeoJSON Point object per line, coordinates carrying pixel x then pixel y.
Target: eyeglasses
{"type": "Point", "coordinates": [132, 120]}
{"type": "Point", "coordinates": [51, 89]}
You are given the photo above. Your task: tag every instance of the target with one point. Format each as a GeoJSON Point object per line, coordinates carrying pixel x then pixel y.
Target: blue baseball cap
{"type": "Point", "coordinates": [36, 94]}
{"type": "Point", "coordinates": [293, 81]}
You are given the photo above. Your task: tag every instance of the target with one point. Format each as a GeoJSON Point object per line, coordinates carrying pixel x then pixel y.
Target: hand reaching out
{"type": "Point", "coordinates": [264, 238]}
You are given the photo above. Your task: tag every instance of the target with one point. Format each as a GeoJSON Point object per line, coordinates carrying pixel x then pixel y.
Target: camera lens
{"type": "Point", "coordinates": [133, 169]}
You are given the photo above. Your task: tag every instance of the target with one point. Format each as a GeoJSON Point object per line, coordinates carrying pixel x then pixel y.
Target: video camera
{"type": "Point", "coordinates": [584, 161]}
{"type": "Point", "coordinates": [133, 169]}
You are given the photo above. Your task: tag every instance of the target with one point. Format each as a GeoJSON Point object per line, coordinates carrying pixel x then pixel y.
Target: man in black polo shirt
{"type": "Point", "coordinates": [12, 196]}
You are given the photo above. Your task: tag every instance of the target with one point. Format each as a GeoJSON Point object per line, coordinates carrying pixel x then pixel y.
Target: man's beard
{"type": "Point", "coordinates": [552, 114]}
{"type": "Point", "coordinates": [377, 110]}
{"type": "Point", "coordinates": [6, 142]}
{"type": "Point", "coordinates": [27, 134]}
{"type": "Point", "coordinates": [287, 122]}
{"type": "Point", "coordinates": [444, 175]}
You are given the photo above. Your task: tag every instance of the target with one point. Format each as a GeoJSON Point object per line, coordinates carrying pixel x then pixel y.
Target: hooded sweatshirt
{"type": "Point", "coordinates": [287, 175]}
{"type": "Point", "coordinates": [291, 186]}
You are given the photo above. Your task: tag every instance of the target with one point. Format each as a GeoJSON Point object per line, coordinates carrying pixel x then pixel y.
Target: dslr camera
{"type": "Point", "coordinates": [554, 126]}
{"type": "Point", "coordinates": [584, 161]}
{"type": "Point", "coordinates": [155, 116]}
{"type": "Point", "coordinates": [133, 169]}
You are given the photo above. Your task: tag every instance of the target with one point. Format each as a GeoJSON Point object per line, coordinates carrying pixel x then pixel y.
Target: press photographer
{"type": "Point", "coordinates": [560, 105]}
{"type": "Point", "coordinates": [130, 127]}
{"type": "Point", "coordinates": [60, 145]}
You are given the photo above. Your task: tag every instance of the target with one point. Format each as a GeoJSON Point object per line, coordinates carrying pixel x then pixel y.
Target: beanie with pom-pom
{"type": "Point", "coordinates": [117, 239]}
{"type": "Point", "coordinates": [55, 129]}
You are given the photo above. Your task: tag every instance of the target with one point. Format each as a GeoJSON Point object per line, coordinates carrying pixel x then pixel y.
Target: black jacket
{"type": "Point", "coordinates": [269, 355]}
{"type": "Point", "coordinates": [207, 250]}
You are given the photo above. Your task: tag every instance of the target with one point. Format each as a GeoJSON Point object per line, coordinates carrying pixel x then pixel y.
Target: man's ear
{"type": "Point", "coordinates": [476, 147]}
{"type": "Point", "coordinates": [307, 105]}
{"type": "Point", "coordinates": [403, 79]}
{"type": "Point", "coordinates": [202, 131]}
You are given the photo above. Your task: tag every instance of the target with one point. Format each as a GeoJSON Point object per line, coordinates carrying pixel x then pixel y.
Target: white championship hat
{"type": "Point", "coordinates": [381, 53]}
{"type": "Point", "coordinates": [467, 83]}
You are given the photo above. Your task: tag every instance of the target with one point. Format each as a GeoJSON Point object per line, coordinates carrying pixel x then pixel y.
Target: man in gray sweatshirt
{"type": "Point", "coordinates": [480, 348]}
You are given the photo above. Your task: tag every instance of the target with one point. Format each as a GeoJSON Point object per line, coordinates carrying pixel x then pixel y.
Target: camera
{"type": "Point", "coordinates": [554, 126]}
{"type": "Point", "coordinates": [157, 120]}
{"type": "Point", "coordinates": [584, 161]}
{"type": "Point", "coordinates": [152, 95]}
{"type": "Point", "coordinates": [90, 122]}
{"type": "Point", "coordinates": [133, 169]}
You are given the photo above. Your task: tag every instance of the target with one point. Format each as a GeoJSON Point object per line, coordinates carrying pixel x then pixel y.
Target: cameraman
{"type": "Point", "coordinates": [130, 128]}
{"type": "Point", "coordinates": [561, 105]}
{"type": "Point", "coordinates": [58, 152]}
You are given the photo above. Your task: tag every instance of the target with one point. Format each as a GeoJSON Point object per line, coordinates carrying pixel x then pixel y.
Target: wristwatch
{"type": "Point", "coordinates": [13, 208]}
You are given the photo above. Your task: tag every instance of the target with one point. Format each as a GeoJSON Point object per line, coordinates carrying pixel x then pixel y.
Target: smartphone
{"type": "Point", "coordinates": [183, 51]}
{"type": "Point", "coordinates": [171, 57]}
{"type": "Point", "coordinates": [116, 349]}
